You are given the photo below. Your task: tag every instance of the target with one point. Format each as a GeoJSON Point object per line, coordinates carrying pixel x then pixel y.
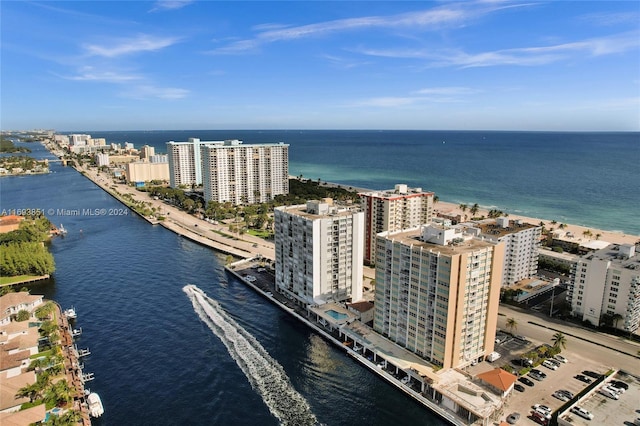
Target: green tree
{"type": "Point", "coordinates": [31, 391]}
{"type": "Point", "coordinates": [23, 315]}
{"type": "Point", "coordinates": [559, 340]}
{"type": "Point", "coordinates": [512, 324]}
{"type": "Point", "coordinates": [616, 317]}
{"type": "Point", "coordinates": [45, 311]}
{"type": "Point", "coordinates": [474, 209]}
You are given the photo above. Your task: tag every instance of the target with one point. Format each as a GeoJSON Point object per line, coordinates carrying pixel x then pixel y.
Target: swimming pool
{"type": "Point", "coordinates": [336, 315]}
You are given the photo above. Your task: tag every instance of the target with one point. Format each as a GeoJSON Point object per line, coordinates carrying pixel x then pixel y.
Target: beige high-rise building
{"type": "Point", "coordinates": [244, 174]}
{"type": "Point", "coordinates": [393, 210]}
{"type": "Point", "coordinates": [184, 166]}
{"type": "Point", "coordinates": [437, 293]}
{"type": "Point", "coordinates": [146, 152]}
{"type": "Point", "coordinates": [319, 252]}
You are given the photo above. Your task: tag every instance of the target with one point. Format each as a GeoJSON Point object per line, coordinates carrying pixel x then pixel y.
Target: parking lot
{"type": "Point", "coordinates": [542, 390]}
{"type": "Point", "coordinates": [607, 411]}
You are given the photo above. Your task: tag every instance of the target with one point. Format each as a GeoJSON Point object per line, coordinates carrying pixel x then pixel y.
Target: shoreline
{"type": "Point", "coordinates": [248, 246]}
{"type": "Point", "coordinates": [452, 209]}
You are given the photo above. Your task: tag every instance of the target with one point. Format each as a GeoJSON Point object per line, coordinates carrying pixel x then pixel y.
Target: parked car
{"type": "Point", "coordinates": [538, 372]}
{"type": "Point", "coordinates": [618, 384]}
{"type": "Point", "coordinates": [608, 393]}
{"type": "Point", "coordinates": [591, 374]}
{"type": "Point", "coordinates": [582, 378]}
{"type": "Point", "coordinates": [518, 387]}
{"type": "Point", "coordinates": [570, 395]}
{"type": "Point", "coordinates": [539, 418]}
{"type": "Point", "coordinates": [614, 389]}
{"type": "Point", "coordinates": [555, 362]}
{"type": "Point", "coordinates": [561, 358]}
{"type": "Point", "coordinates": [513, 418]}
{"type": "Point", "coordinates": [542, 408]}
{"type": "Point", "coordinates": [561, 396]}
{"type": "Point", "coordinates": [549, 365]}
{"type": "Point", "coordinates": [536, 376]}
{"type": "Point", "coordinates": [526, 381]}
{"type": "Point", "coordinates": [582, 412]}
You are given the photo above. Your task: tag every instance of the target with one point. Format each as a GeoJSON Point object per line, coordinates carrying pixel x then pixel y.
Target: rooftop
{"type": "Point", "coordinates": [498, 378]}
{"type": "Point", "coordinates": [400, 191]}
{"type": "Point", "coordinates": [623, 255]}
{"type": "Point", "coordinates": [413, 237]}
{"type": "Point", "coordinates": [500, 227]}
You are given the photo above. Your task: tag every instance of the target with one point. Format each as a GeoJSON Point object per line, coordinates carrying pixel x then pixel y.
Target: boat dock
{"type": "Point", "coordinates": [73, 369]}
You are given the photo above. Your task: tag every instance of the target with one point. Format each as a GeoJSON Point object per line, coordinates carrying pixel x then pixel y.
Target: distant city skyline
{"type": "Point", "coordinates": [169, 65]}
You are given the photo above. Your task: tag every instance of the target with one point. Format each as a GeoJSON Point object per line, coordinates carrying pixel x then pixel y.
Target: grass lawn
{"type": "Point", "coordinates": [17, 279]}
{"type": "Point", "coordinates": [259, 233]}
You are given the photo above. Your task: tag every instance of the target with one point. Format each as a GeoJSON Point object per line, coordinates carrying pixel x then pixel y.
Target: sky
{"type": "Point", "coordinates": [418, 65]}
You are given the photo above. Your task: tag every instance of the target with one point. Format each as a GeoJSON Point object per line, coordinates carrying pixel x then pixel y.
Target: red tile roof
{"type": "Point", "coordinates": [498, 378]}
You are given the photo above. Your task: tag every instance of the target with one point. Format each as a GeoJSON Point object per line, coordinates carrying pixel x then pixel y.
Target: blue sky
{"type": "Point", "coordinates": [486, 65]}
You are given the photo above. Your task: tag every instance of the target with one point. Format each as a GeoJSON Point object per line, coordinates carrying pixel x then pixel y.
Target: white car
{"type": "Point", "coordinates": [608, 393]}
{"type": "Point", "coordinates": [542, 409]}
{"type": "Point", "coordinates": [582, 412]}
{"type": "Point", "coordinates": [561, 358]}
{"type": "Point", "coordinates": [550, 365]}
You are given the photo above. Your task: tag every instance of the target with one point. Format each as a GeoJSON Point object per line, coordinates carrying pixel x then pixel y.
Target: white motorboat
{"type": "Point", "coordinates": [70, 313]}
{"type": "Point", "coordinates": [95, 405]}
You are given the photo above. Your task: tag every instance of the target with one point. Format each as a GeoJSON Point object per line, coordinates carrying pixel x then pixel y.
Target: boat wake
{"type": "Point", "coordinates": [266, 376]}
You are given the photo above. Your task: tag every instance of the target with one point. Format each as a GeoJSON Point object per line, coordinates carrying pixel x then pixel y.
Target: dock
{"type": "Point", "coordinates": [73, 369]}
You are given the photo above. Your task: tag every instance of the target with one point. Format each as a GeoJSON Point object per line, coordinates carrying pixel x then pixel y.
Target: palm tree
{"type": "Point", "coordinates": [474, 209]}
{"type": "Point", "coordinates": [463, 207]}
{"type": "Point", "coordinates": [616, 318]}
{"type": "Point", "coordinates": [587, 233]}
{"type": "Point", "coordinates": [436, 199]}
{"type": "Point", "coordinates": [512, 324]}
{"type": "Point", "coordinates": [31, 391]}
{"type": "Point", "coordinates": [559, 340]}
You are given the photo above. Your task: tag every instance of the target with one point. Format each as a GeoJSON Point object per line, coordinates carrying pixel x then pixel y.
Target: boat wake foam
{"type": "Point", "coordinates": [266, 376]}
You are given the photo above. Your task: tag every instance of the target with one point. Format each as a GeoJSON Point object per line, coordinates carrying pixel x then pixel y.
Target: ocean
{"type": "Point", "coordinates": [589, 179]}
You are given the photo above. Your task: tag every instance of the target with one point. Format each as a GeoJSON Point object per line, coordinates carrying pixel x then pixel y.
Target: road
{"type": "Point", "coordinates": [578, 339]}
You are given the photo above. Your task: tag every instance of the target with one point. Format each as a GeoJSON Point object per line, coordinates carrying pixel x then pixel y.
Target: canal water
{"type": "Point", "coordinates": [155, 360]}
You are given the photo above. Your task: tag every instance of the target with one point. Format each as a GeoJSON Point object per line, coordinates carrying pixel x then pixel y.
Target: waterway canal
{"type": "Point", "coordinates": [155, 361]}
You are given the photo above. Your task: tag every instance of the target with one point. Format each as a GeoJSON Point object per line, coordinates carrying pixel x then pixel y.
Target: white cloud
{"type": "Point", "coordinates": [449, 15]}
{"type": "Point", "coordinates": [525, 56]}
{"type": "Point", "coordinates": [612, 19]}
{"type": "Point", "coordinates": [141, 43]}
{"type": "Point", "coordinates": [91, 74]}
{"type": "Point", "coordinates": [385, 102]}
{"type": "Point", "coordinates": [149, 91]}
{"type": "Point", "coordinates": [170, 5]}
{"type": "Point", "coordinates": [447, 91]}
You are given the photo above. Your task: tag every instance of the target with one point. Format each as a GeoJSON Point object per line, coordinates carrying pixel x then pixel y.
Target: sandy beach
{"type": "Point", "coordinates": [577, 231]}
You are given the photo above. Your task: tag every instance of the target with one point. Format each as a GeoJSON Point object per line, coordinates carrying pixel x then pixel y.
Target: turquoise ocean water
{"type": "Point", "coordinates": [589, 179]}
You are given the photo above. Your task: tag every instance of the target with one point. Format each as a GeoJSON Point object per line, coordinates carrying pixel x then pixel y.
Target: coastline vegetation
{"type": "Point", "coordinates": [22, 251]}
{"type": "Point", "coordinates": [255, 219]}
{"type": "Point", "coordinates": [7, 145]}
